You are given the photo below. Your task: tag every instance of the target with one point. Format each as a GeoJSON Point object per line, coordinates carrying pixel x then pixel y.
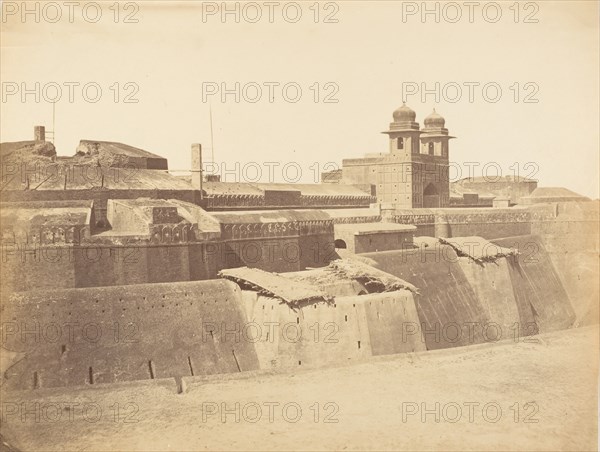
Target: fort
{"type": "Point", "coordinates": [197, 276]}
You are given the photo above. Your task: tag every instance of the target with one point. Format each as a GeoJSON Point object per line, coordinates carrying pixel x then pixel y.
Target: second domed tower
{"type": "Point", "coordinates": [434, 137]}
{"type": "Point", "coordinates": [434, 120]}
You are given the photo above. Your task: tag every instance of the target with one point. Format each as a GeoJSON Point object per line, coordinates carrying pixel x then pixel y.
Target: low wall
{"type": "Point", "coordinates": [110, 334]}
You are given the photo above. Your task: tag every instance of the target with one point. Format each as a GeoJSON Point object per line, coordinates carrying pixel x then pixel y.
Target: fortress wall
{"type": "Point", "coordinates": [538, 290]}
{"type": "Point", "coordinates": [97, 194]}
{"type": "Point", "coordinates": [483, 222]}
{"type": "Point", "coordinates": [168, 263]}
{"type": "Point", "coordinates": [278, 254]}
{"type": "Point", "coordinates": [493, 287]}
{"type": "Point", "coordinates": [316, 250]}
{"type": "Point", "coordinates": [351, 329]}
{"type": "Point", "coordinates": [486, 223]}
{"type": "Point", "coordinates": [270, 254]}
{"type": "Point", "coordinates": [123, 333]}
{"type": "Point", "coordinates": [423, 219]}
{"type": "Point", "coordinates": [100, 196]}
{"type": "Point", "coordinates": [123, 265]}
{"type": "Point", "coordinates": [91, 265]}
{"type": "Point", "coordinates": [313, 336]}
{"type": "Point", "coordinates": [22, 268]}
{"type": "Point", "coordinates": [489, 230]}
{"type": "Point", "coordinates": [447, 305]}
{"type": "Point", "coordinates": [570, 232]}
{"type": "Point", "coordinates": [204, 260]}
{"type": "Point", "coordinates": [578, 272]}
{"type": "Point", "coordinates": [109, 266]}
{"type": "Point", "coordinates": [393, 323]}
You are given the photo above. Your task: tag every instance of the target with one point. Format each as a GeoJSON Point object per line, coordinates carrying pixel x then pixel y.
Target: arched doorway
{"type": "Point", "coordinates": [431, 196]}
{"type": "Point", "coordinates": [339, 244]}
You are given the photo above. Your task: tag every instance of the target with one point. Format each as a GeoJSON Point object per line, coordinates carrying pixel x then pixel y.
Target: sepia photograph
{"type": "Point", "coordinates": [299, 225]}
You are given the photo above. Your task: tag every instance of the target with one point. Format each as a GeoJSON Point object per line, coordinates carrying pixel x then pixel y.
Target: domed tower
{"type": "Point", "coordinates": [395, 178]}
{"type": "Point", "coordinates": [414, 173]}
{"type": "Point", "coordinates": [434, 149]}
{"type": "Point", "coordinates": [404, 131]}
{"type": "Point", "coordinates": [434, 139]}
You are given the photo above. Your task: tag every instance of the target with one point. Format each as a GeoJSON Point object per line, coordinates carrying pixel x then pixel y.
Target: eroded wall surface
{"type": "Point", "coordinates": [538, 290]}
{"type": "Point", "coordinates": [112, 334]}
{"type": "Point", "coordinates": [462, 302]}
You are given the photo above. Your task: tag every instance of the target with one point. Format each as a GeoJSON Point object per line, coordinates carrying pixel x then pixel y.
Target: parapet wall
{"type": "Point", "coordinates": [111, 334]}
{"type": "Point", "coordinates": [488, 223]}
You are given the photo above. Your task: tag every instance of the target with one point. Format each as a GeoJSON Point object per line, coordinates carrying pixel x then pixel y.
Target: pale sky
{"type": "Point", "coordinates": [366, 56]}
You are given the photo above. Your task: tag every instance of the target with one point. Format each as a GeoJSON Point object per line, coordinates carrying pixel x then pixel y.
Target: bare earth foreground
{"type": "Point", "coordinates": [539, 394]}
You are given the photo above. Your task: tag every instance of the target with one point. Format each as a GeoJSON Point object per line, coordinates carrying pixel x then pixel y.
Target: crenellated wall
{"type": "Point", "coordinates": [483, 222]}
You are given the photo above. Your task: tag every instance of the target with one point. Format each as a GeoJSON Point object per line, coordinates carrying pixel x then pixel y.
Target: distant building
{"type": "Point", "coordinates": [331, 177]}
{"type": "Point", "coordinates": [414, 173]}
{"type": "Point", "coordinates": [552, 194]}
{"type": "Point", "coordinates": [371, 237]}
{"type": "Point", "coordinates": [511, 187]}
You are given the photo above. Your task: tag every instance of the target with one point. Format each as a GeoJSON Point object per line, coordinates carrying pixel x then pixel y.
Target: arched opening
{"type": "Point", "coordinates": [431, 149]}
{"type": "Point", "coordinates": [339, 244]}
{"type": "Point", "coordinates": [430, 190]}
{"type": "Point", "coordinates": [400, 144]}
{"type": "Point", "coordinates": [431, 196]}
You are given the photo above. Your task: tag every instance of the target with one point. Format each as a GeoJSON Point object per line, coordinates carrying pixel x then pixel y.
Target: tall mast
{"type": "Point", "coordinates": [212, 145]}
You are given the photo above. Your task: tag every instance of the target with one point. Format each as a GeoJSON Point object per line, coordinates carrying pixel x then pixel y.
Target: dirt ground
{"type": "Point", "coordinates": [535, 395]}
